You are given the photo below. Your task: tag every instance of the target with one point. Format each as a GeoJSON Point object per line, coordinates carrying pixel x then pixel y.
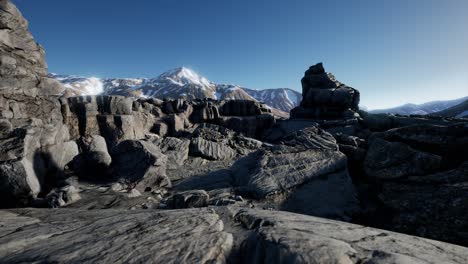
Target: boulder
{"type": "Point", "coordinates": [306, 174]}
{"type": "Point", "coordinates": [140, 163]}
{"type": "Point", "coordinates": [94, 161]}
{"type": "Point", "coordinates": [189, 199]}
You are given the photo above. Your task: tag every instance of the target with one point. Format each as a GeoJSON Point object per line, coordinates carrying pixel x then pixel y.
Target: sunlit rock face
{"type": "Point", "coordinates": [323, 97]}
{"type": "Point", "coordinates": [33, 139]}
{"type": "Point", "coordinates": [23, 68]}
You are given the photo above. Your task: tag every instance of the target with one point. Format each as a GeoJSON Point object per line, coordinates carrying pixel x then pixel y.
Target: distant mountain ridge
{"type": "Point", "coordinates": [176, 83]}
{"type": "Point", "coordinates": [421, 109]}
{"type": "Point", "coordinates": [458, 111]}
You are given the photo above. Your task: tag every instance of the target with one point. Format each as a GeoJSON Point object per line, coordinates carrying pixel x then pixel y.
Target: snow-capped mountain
{"type": "Point", "coordinates": [283, 99]}
{"type": "Point", "coordinates": [421, 109]}
{"type": "Point", "coordinates": [176, 83]}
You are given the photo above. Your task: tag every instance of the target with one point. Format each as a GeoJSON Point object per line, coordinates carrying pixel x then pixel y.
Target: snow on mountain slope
{"type": "Point", "coordinates": [421, 109]}
{"type": "Point", "coordinates": [283, 99]}
{"type": "Point", "coordinates": [80, 85]}
{"type": "Point", "coordinates": [176, 83]}
{"type": "Point", "coordinates": [458, 111]}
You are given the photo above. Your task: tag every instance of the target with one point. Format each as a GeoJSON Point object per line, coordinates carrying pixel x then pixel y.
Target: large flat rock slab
{"type": "Point", "coordinates": [112, 236]}
{"type": "Point", "coordinates": [280, 237]}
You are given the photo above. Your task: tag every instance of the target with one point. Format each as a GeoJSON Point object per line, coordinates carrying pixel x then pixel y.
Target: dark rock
{"type": "Point", "coordinates": [392, 160]}
{"type": "Point", "coordinates": [324, 97]}
{"type": "Point", "coordinates": [140, 163]}
{"type": "Point", "coordinates": [211, 150]}
{"type": "Point", "coordinates": [433, 206]}
{"type": "Point", "coordinates": [94, 161]}
{"type": "Point", "coordinates": [189, 199]}
{"type": "Point", "coordinates": [242, 108]}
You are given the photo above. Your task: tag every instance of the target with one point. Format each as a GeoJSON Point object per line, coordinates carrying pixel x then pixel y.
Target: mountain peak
{"type": "Point", "coordinates": [182, 76]}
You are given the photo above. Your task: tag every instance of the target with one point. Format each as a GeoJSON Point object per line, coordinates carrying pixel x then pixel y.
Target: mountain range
{"type": "Point", "coordinates": [176, 83]}
{"type": "Point", "coordinates": [433, 108]}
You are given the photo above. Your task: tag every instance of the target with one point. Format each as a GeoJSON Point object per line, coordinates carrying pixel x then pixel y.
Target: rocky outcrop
{"type": "Point", "coordinates": [392, 160]}
{"type": "Point", "coordinates": [34, 143]}
{"type": "Point", "coordinates": [323, 97]}
{"type": "Point", "coordinates": [279, 237]}
{"type": "Point", "coordinates": [301, 168]}
{"type": "Point", "coordinates": [23, 69]}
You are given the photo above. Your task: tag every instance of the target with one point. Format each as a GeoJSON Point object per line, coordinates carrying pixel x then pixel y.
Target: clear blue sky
{"type": "Point", "coordinates": [393, 51]}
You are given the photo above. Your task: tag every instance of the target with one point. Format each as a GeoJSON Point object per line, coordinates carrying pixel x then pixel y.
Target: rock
{"type": "Point", "coordinates": [23, 69]}
{"type": "Point", "coordinates": [204, 111]}
{"type": "Point", "coordinates": [19, 183]}
{"type": "Point", "coordinates": [108, 116]}
{"type": "Point", "coordinates": [392, 160]}
{"type": "Point", "coordinates": [382, 122]}
{"type": "Point", "coordinates": [62, 196]}
{"type": "Point", "coordinates": [133, 193]}
{"type": "Point", "coordinates": [189, 199]}
{"type": "Point", "coordinates": [299, 170]}
{"type": "Point", "coordinates": [310, 138]}
{"type": "Point", "coordinates": [113, 235]}
{"type": "Point", "coordinates": [176, 150]}
{"type": "Point", "coordinates": [94, 161]}
{"type": "Point", "coordinates": [333, 197]}
{"type": "Point", "coordinates": [280, 237]}
{"type": "Point", "coordinates": [242, 108]}
{"type": "Point", "coordinates": [433, 206]}
{"type": "Point", "coordinates": [251, 126]}
{"type": "Point", "coordinates": [160, 129]}
{"type": "Point", "coordinates": [140, 163]}
{"type": "Point", "coordinates": [450, 142]}
{"type": "Point", "coordinates": [200, 147]}
{"type": "Point", "coordinates": [175, 124]}
{"type": "Point", "coordinates": [324, 97]}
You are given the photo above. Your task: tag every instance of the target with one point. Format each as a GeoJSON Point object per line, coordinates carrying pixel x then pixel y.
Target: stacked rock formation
{"type": "Point", "coordinates": [323, 97]}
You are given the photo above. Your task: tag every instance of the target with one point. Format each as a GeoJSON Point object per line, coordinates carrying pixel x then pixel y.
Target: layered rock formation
{"type": "Point", "coordinates": [117, 164]}
{"type": "Point", "coordinates": [33, 139]}
{"type": "Point", "coordinates": [323, 97]}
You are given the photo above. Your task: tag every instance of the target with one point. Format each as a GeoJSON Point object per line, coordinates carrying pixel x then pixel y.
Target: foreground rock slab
{"type": "Point", "coordinates": [112, 236]}
{"type": "Point", "coordinates": [281, 237]}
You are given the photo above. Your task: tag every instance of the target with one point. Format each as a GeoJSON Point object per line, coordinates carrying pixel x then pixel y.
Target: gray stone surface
{"type": "Point", "coordinates": [279, 237]}
{"type": "Point", "coordinates": [141, 163]}
{"type": "Point", "coordinates": [111, 236]}
{"type": "Point", "coordinates": [200, 147]}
